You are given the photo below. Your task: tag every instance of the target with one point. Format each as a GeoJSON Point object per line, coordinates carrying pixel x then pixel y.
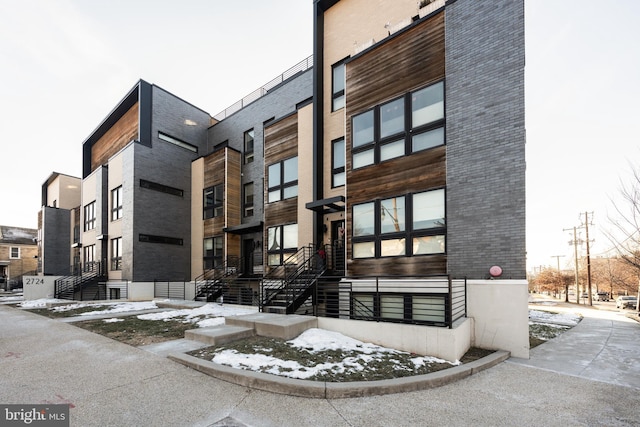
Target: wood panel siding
{"type": "Point", "coordinates": [409, 61]}
{"type": "Point", "coordinates": [281, 140]}
{"type": "Point", "coordinates": [120, 134]}
{"type": "Point", "coordinates": [224, 167]}
{"type": "Point", "coordinates": [418, 172]}
{"type": "Point", "coordinates": [214, 174]}
{"type": "Point", "coordinates": [398, 266]}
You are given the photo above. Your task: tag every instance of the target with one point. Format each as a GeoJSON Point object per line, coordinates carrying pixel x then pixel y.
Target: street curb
{"type": "Point", "coordinates": [332, 390]}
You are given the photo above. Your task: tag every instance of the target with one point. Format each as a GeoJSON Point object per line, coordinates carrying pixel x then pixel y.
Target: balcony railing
{"type": "Point", "coordinates": [300, 67]}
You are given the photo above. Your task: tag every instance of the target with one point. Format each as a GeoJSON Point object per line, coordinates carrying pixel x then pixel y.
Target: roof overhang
{"type": "Point", "coordinates": [327, 206]}
{"type": "Point", "coordinates": [248, 228]}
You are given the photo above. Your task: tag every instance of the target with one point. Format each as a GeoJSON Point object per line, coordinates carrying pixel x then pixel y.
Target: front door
{"type": "Point", "coordinates": [247, 256]}
{"type": "Point", "coordinates": [338, 243]}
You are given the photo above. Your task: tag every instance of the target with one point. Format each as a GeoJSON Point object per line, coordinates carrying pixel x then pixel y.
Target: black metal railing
{"type": "Point", "coordinates": [300, 67]}
{"type": "Point", "coordinates": [211, 284]}
{"type": "Point", "coordinates": [83, 282]}
{"type": "Point", "coordinates": [423, 300]}
{"type": "Point", "coordinates": [286, 287]}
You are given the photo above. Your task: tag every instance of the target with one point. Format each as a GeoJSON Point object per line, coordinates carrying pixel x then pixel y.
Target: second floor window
{"type": "Point", "coordinates": [15, 252]}
{"type": "Point", "coordinates": [283, 180]}
{"type": "Point", "coordinates": [213, 201]}
{"type": "Point", "coordinates": [90, 216]}
{"type": "Point", "coordinates": [248, 199]}
{"type": "Point", "coordinates": [338, 174]}
{"type": "Point", "coordinates": [337, 87]}
{"type": "Point", "coordinates": [248, 146]}
{"type": "Point", "coordinates": [116, 203]}
{"type": "Point", "coordinates": [406, 125]}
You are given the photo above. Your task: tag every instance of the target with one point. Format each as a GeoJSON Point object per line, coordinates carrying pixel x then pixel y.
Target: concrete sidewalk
{"type": "Point", "coordinates": [112, 384]}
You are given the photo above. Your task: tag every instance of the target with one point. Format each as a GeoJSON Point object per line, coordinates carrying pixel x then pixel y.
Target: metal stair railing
{"type": "Point", "coordinates": [83, 275]}
{"type": "Point", "coordinates": [213, 281]}
{"type": "Point", "coordinates": [288, 285]}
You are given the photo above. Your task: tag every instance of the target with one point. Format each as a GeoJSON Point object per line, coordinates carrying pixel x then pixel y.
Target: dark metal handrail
{"type": "Point", "coordinates": [213, 279]}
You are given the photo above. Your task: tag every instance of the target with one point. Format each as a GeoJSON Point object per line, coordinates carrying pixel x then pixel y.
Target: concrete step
{"type": "Point", "coordinates": [274, 325]}
{"type": "Point", "coordinates": [217, 335]}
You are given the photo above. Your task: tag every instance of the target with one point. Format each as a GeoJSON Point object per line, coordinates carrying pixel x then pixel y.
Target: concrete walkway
{"type": "Point", "coordinates": [112, 384]}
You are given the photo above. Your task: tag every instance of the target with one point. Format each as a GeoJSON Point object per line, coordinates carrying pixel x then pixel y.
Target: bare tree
{"type": "Point", "coordinates": [624, 234]}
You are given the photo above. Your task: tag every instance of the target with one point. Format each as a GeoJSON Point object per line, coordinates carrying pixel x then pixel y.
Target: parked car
{"type": "Point", "coordinates": [626, 302]}
{"type": "Point", "coordinates": [601, 296]}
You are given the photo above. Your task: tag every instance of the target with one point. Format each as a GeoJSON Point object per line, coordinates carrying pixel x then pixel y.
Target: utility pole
{"type": "Point", "coordinates": [557, 257]}
{"type": "Point", "coordinates": [586, 226]}
{"type": "Point", "coordinates": [574, 242]}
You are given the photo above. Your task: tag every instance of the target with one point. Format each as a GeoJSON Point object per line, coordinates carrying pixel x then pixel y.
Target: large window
{"type": "Point", "coordinates": [89, 254]}
{"type": "Point", "coordinates": [90, 216]}
{"type": "Point", "coordinates": [282, 242]}
{"type": "Point", "coordinates": [116, 254]}
{"type": "Point", "coordinates": [116, 203]}
{"type": "Point", "coordinates": [248, 199]}
{"type": "Point", "coordinates": [213, 201]}
{"type": "Point", "coordinates": [411, 123]}
{"type": "Point", "coordinates": [337, 87]}
{"type": "Point", "coordinates": [405, 225]}
{"type": "Point", "coordinates": [283, 180]}
{"type": "Point", "coordinates": [338, 174]}
{"type": "Point", "coordinates": [248, 146]}
{"type": "Point", "coordinates": [213, 252]}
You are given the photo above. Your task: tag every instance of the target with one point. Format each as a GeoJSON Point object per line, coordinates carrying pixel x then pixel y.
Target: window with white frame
{"type": "Point", "coordinates": [15, 252]}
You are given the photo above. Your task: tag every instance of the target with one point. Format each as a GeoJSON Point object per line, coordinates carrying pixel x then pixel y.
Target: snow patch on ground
{"type": "Point", "coordinates": [195, 315]}
{"type": "Point", "coordinates": [551, 318]}
{"type": "Point", "coordinates": [315, 340]}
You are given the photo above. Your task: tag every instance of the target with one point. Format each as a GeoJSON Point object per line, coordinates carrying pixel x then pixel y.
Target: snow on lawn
{"type": "Point", "coordinates": [551, 318]}
{"type": "Point", "coordinates": [314, 341]}
{"type": "Point", "coordinates": [211, 314]}
{"type": "Point", "coordinates": [39, 303]}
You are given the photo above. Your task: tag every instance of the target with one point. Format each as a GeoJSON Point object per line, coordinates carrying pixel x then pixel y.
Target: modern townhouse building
{"type": "Point", "coordinates": [383, 179]}
{"type": "Point", "coordinates": [136, 186]}
{"type": "Point", "coordinates": [59, 248]}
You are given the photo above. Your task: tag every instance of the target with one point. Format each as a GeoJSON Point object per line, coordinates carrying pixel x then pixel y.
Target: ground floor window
{"type": "Point", "coordinates": [400, 307]}
{"type": "Point", "coordinates": [116, 254]}
{"type": "Point", "coordinates": [213, 252]}
{"type": "Point", "coordinates": [282, 242]}
{"type": "Point", "coordinates": [406, 225]}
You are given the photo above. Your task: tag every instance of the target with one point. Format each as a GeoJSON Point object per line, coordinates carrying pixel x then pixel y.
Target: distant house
{"type": "Point", "coordinates": [18, 255]}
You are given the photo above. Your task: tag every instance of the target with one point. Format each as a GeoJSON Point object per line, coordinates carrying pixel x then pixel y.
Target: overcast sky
{"type": "Point", "coordinates": [64, 64]}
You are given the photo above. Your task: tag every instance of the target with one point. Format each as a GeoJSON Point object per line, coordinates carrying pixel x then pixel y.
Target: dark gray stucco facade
{"type": "Point", "coordinates": [485, 138]}
{"type": "Point", "coordinates": [56, 258]}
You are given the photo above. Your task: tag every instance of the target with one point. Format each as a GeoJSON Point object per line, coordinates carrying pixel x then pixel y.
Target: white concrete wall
{"type": "Point", "coordinates": [448, 344]}
{"type": "Point", "coordinates": [141, 291]}
{"type": "Point", "coordinates": [38, 287]}
{"type": "Point", "coordinates": [500, 313]}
